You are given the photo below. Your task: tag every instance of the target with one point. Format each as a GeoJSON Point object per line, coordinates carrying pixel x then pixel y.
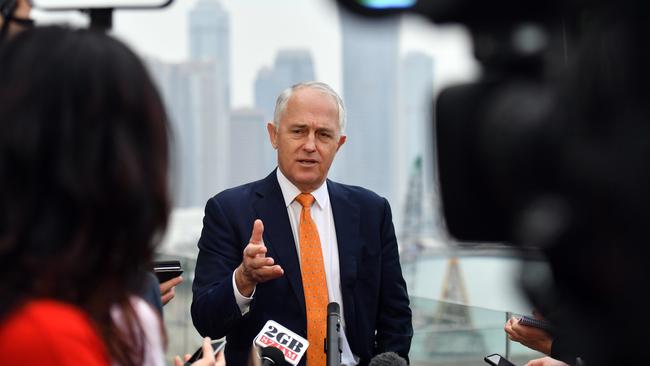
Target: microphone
{"type": "Point", "coordinates": [387, 359]}
{"type": "Point", "coordinates": [291, 345]}
{"type": "Point", "coordinates": [272, 356]}
{"type": "Point", "coordinates": [333, 340]}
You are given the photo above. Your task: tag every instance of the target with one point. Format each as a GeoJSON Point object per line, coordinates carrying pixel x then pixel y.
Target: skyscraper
{"type": "Point", "coordinates": [293, 66]}
{"type": "Point", "coordinates": [209, 41]}
{"type": "Point", "coordinates": [415, 105]}
{"type": "Point", "coordinates": [266, 90]}
{"type": "Point", "coordinates": [415, 139]}
{"type": "Point", "coordinates": [188, 90]}
{"type": "Point", "coordinates": [370, 63]}
{"type": "Point", "coordinates": [290, 66]}
{"type": "Point", "coordinates": [252, 148]}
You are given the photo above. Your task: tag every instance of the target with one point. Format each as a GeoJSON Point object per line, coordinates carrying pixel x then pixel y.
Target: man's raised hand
{"type": "Point", "coordinates": [256, 267]}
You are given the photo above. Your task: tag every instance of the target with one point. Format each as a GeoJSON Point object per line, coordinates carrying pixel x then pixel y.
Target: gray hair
{"type": "Point", "coordinates": [283, 98]}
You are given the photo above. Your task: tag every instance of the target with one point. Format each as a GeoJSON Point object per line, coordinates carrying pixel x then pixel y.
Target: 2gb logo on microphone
{"type": "Point", "coordinates": [291, 344]}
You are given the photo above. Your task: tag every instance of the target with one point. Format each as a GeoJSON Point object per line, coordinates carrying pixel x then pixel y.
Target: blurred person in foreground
{"type": "Point", "coordinates": [83, 201]}
{"type": "Point", "coordinates": [282, 247]}
{"type": "Point", "coordinates": [14, 18]}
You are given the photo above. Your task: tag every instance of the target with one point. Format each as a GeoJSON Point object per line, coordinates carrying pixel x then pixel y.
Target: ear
{"type": "Point", "coordinates": [273, 134]}
{"type": "Point", "coordinates": [341, 142]}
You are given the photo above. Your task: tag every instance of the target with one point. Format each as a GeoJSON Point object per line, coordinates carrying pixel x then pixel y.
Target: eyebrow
{"type": "Point", "coordinates": [297, 125]}
{"type": "Point", "coordinates": [306, 125]}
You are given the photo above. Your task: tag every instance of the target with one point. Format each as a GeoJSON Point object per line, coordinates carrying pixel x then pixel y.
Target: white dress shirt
{"type": "Point", "coordinates": [321, 213]}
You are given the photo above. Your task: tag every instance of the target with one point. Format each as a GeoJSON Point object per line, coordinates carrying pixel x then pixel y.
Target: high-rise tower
{"type": "Point", "coordinates": [416, 143]}
{"type": "Point", "coordinates": [209, 39]}
{"type": "Point", "coordinates": [290, 66]}
{"type": "Point", "coordinates": [370, 64]}
{"type": "Point", "coordinates": [209, 42]}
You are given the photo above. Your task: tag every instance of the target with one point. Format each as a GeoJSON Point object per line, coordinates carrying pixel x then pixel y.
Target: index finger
{"type": "Point", "coordinates": [165, 286]}
{"type": "Point", "coordinates": [177, 361]}
{"type": "Point", "coordinates": [258, 230]}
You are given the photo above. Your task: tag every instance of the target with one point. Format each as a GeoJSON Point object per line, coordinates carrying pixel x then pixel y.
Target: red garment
{"type": "Point", "coordinates": [46, 332]}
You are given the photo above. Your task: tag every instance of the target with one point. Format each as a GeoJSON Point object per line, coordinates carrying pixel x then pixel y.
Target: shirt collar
{"type": "Point", "coordinates": [290, 191]}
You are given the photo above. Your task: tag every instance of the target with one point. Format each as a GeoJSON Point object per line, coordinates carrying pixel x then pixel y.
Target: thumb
{"type": "Point", "coordinates": [208, 351]}
{"type": "Point", "coordinates": [258, 230]}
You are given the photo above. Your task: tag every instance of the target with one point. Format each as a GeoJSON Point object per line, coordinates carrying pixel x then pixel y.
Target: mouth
{"type": "Point", "coordinates": [307, 162]}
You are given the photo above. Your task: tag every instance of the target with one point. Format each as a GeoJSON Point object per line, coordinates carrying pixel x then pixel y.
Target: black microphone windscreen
{"type": "Point", "coordinates": [273, 354]}
{"type": "Point", "coordinates": [388, 359]}
{"type": "Point", "coordinates": [333, 307]}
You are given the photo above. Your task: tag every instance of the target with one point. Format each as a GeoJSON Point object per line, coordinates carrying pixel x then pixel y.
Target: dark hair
{"type": "Point", "coordinates": [83, 176]}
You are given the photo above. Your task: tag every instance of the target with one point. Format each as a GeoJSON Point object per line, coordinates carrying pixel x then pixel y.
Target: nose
{"type": "Point", "coordinates": [310, 143]}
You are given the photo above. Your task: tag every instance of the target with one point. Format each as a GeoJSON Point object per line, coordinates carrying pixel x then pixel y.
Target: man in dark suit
{"type": "Point", "coordinates": [250, 269]}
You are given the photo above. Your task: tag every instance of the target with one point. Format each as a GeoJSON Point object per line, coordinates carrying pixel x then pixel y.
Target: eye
{"type": "Point", "coordinates": [325, 135]}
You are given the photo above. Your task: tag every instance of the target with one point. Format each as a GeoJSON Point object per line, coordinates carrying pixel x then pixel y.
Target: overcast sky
{"type": "Point", "coordinates": [260, 27]}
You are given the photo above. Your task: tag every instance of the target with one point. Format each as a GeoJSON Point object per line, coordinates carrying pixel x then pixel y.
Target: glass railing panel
{"type": "Point", "coordinates": [445, 333]}
{"type": "Point", "coordinates": [459, 335]}
{"type": "Point", "coordinates": [461, 300]}
{"type": "Point", "coordinates": [482, 278]}
{"type": "Point", "coordinates": [453, 334]}
{"type": "Point", "coordinates": [182, 338]}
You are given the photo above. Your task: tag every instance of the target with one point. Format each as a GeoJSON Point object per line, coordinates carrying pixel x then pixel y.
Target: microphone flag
{"type": "Point", "coordinates": [291, 344]}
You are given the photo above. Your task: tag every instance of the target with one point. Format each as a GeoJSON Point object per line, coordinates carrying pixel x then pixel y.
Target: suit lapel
{"type": "Point", "coordinates": [346, 220]}
{"type": "Point", "coordinates": [278, 236]}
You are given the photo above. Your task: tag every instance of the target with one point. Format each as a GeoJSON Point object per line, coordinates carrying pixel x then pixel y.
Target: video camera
{"type": "Point", "coordinates": [550, 150]}
{"type": "Point", "coordinates": [99, 11]}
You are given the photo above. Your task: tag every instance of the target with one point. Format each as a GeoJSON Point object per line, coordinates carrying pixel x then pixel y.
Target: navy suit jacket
{"type": "Point", "coordinates": [375, 302]}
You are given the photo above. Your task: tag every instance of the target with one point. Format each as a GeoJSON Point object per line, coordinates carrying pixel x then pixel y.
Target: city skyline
{"type": "Point", "coordinates": [261, 28]}
{"type": "Point", "coordinates": [217, 146]}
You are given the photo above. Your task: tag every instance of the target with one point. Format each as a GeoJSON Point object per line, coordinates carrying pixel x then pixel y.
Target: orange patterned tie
{"type": "Point", "coordinates": [314, 283]}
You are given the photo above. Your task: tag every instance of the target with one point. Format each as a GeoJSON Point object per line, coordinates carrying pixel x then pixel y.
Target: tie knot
{"type": "Point", "coordinates": [305, 199]}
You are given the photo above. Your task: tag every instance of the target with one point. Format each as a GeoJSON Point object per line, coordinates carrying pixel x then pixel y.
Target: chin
{"type": "Point", "coordinates": [310, 183]}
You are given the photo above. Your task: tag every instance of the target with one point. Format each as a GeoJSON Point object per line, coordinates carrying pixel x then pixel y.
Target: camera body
{"type": "Point", "coordinates": [550, 150]}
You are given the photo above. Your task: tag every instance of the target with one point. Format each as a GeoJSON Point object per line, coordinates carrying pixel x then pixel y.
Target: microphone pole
{"type": "Point", "coordinates": [333, 340]}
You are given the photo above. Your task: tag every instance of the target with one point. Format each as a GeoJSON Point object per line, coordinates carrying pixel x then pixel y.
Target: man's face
{"type": "Point", "coordinates": [307, 138]}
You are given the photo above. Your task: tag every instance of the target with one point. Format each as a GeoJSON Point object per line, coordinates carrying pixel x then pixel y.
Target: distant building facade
{"type": "Point", "coordinates": [250, 148]}
{"type": "Point", "coordinates": [209, 42]}
{"type": "Point", "coordinates": [290, 67]}
{"type": "Point", "coordinates": [416, 145]}
{"type": "Point", "coordinates": [197, 97]}
{"type": "Point", "coordinates": [370, 64]}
